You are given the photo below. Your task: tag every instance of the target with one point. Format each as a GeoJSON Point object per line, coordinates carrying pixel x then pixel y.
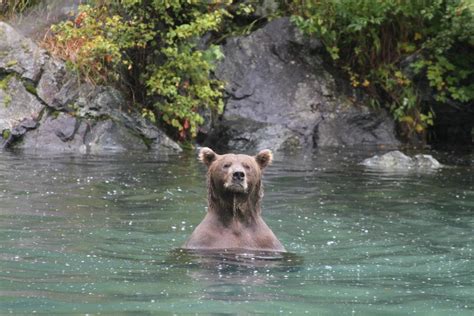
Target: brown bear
{"type": "Point", "coordinates": [233, 220]}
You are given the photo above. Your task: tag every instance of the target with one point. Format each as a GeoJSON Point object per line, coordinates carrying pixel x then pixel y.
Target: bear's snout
{"type": "Point", "coordinates": [238, 175]}
{"type": "Point", "coordinates": [236, 179]}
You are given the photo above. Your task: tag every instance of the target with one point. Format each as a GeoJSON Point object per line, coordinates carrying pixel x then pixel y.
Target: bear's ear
{"type": "Point", "coordinates": [207, 156]}
{"type": "Point", "coordinates": [264, 158]}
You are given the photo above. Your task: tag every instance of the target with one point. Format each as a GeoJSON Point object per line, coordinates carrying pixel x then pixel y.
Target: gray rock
{"type": "Point", "coordinates": [19, 54]}
{"type": "Point", "coordinates": [266, 8]}
{"type": "Point", "coordinates": [35, 22]}
{"type": "Point", "coordinates": [426, 162]}
{"type": "Point", "coordinates": [59, 134]}
{"type": "Point", "coordinates": [64, 133]}
{"type": "Point", "coordinates": [62, 91]}
{"type": "Point", "coordinates": [80, 117]}
{"type": "Point", "coordinates": [248, 135]}
{"type": "Point", "coordinates": [51, 83]}
{"type": "Point", "coordinates": [109, 136]}
{"type": "Point", "coordinates": [9, 136]}
{"type": "Point", "coordinates": [396, 160]}
{"type": "Point", "coordinates": [276, 81]}
{"type": "Point", "coordinates": [16, 104]}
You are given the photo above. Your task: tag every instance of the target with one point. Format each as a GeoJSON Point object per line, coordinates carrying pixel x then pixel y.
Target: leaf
{"type": "Point", "coordinates": [407, 119]}
{"type": "Point", "coordinates": [419, 128]}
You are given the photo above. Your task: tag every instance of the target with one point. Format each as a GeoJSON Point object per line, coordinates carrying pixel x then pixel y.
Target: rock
{"type": "Point", "coordinates": [248, 135]}
{"type": "Point", "coordinates": [266, 8]}
{"type": "Point", "coordinates": [16, 103]}
{"type": "Point", "coordinates": [65, 133]}
{"type": "Point", "coordinates": [62, 91]}
{"type": "Point", "coordinates": [109, 136]}
{"type": "Point", "coordinates": [51, 87]}
{"type": "Point", "coordinates": [426, 161]}
{"type": "Point", "coordinates": [19, 54]}
{"type": "Point", "coordinates": [76, 117]}
{"type": "Point", "coordinates": [36, 21]}
{"type": "Point", "coordinates": [61, 133]}
{"type": "Point", "coordinates": [9, 136]}
{"type": "Point", "coordinates": [277, 82]}
{"type": "Point", "coordinates": [396, 160]}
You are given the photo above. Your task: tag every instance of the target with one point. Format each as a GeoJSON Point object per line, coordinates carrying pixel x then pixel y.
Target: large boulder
{"type": "Point", "coordinates": [280, 95]}
{"type": "Point", "coordinates": [63, 133]}
{"type": "Point", "coordinates": [44, 107]}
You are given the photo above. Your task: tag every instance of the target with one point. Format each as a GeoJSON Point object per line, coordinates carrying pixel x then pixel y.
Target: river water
{"type": "Point", "coordinates": [98, 235]}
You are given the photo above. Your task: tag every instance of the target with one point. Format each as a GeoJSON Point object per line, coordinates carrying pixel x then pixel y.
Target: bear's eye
{"type": "Point", "coordinates": [227, 165]}
{"type": "Point", "coordinates": [246, 166]}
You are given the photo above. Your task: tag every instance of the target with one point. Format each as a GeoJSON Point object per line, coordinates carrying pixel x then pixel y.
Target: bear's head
{"type": "Point", "coordinates": [235, 176]}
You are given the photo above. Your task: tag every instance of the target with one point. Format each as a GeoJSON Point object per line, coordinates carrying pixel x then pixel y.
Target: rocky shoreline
{"type": "Point", "coordinates": [44, 107]}
{"type": "Point", "coordinates": [280, 94]}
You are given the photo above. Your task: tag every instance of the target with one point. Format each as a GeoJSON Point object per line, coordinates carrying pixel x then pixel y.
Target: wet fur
{"type": "Point", "coordinates": [233, 220]}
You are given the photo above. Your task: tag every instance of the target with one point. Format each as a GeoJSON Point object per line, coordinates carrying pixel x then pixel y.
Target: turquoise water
{"type": "Point", "coordinates": [98, 235]}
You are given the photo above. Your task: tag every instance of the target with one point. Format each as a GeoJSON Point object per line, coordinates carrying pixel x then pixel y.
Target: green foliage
{"type": "Point", "coordinates": [96, 41]}
{"type": "Point", "coordinates": [155, 49]}
{"type": "Point", "coordinates": [372, 39]}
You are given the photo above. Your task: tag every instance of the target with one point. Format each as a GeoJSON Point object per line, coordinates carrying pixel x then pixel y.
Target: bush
{"type": "Point", "coordinates": [374, 41]}
{"type": "Point", "coordinates": [150, 47]}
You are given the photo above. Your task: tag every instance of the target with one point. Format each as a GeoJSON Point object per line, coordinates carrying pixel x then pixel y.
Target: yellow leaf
{"type": "Point", "coordinates": [417, 36]}
{"type": "Point", "coordinates": [419, 128]}
{"type": "Point", "coordinates": [407, 119]}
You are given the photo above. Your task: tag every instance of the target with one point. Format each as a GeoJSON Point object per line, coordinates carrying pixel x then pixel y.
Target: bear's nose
{"type": "Point", "coordinates": [238, 175]}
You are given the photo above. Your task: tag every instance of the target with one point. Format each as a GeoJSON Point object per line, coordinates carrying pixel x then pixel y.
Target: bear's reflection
{"type": "Point", "coordinates": [227, 274]}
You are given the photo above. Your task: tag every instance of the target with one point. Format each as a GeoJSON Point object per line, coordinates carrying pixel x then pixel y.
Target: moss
{"type": "Point", "coordinates": [5, 82]}
{"type": "Point", "coordinates": [6, 134]}
{"type": "Point", "coordinates": [30, 87]}
{"type": "Point", "coordinates": [55, 114]}
{"type": "Point", "coordinates": [7, 99]}
{"type": "Point", "coordinates": [25, 46]}
{"type": "Point", "coordinates": [12, 63]}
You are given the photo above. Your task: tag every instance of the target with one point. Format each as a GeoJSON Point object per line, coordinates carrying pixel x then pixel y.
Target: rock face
{"type": "Point", "coordinates": [19, 54]}
{"type": "Point", "coordinates": [396, 160]}
{"type": "Point", "coordinates": [43, 107]}
{"type": "Point", "coordinates": [16, 103]}
{"type": "Point", "coordinates": [280, 96]}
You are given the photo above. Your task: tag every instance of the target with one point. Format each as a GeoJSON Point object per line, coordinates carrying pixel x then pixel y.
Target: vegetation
{"type": "Point", "coordinates": [6, 134]}
{"type": "Point", "coordinates": [164, 52]}
{"type": "Point", "coordinates": [4, 83]}
{"type": "Point", "coordinates": [382, 45]}
{"type": "Point", "coordinates": [12, 7]}
{"type": "Point", "coordinates": [156, 49]}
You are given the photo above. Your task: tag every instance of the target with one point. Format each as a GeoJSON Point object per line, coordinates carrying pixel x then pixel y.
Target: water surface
{"type": "Point", "coordinates": [97, 235]}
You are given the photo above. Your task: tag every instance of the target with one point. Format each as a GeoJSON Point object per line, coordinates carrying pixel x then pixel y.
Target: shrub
{"type": "Point", "coordinates": [374, 40]}
{"type": "Point", "coordinates": [155, 48]}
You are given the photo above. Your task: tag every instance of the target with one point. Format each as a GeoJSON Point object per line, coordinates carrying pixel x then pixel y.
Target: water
{"type": "Point", "coordinates": [98, 235]}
